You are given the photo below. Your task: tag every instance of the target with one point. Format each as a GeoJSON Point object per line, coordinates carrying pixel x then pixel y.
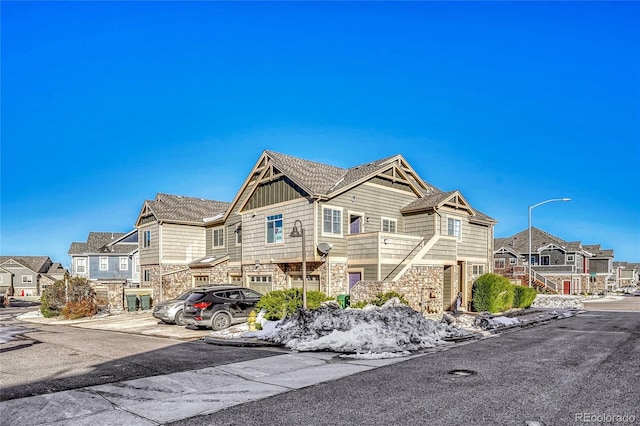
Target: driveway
{"type": "Point", "coordinates": [126, 322]}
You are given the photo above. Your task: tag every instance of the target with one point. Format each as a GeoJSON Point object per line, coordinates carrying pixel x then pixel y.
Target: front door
{"type": "Point", "coordinates": [354, 277]}
{"type": "Point", "coordinates": [355, 224]}
{"type": "Point", "coordinates": [566, 287]}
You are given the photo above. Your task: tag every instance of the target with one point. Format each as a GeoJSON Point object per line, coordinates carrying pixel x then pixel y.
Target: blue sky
{"type": "Point", "coordinates": [105, 104]}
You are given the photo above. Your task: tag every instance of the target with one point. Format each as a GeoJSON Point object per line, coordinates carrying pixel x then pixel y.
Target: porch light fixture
{"type": "Point", "coordinates": [531, 208]}
{"type": "Point", "coordinates": [296, 234]}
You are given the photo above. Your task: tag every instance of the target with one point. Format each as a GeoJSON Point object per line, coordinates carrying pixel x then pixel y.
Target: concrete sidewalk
{"type": "Point", "coordinates": [161, 399]}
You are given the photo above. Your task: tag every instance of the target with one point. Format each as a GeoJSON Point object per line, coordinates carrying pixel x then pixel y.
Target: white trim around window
{"type": "Point", "coordinates": [389, 225]}
{"type": "Point", "coordinates": [124, 263]}
{"type": "Point", "coordinates": [454, 228]}
{"type": "Point", "coordinates": [80, 265]}
{"type": "Point", "coordinates": [217, 236]}
{"type": "Point", "coordinates": [332, 221]}
{"type": "Point", "coordinates": [274, 229]}
{"type": "Point", "coordinates": [27, 279]}
{"type": "Point", "coordinates": [104, 263]}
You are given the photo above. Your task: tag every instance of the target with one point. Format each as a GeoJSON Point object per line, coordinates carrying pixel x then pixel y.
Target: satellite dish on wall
{"type": "Point", "coordinates": [324, 248]}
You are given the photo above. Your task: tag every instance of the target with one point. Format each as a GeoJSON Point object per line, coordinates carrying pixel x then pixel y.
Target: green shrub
{"type": "Point", "coordinates": [280, 303]}
{"type": "Point", "coordinates": [54, 297]}
{"type": "Point", "coordinates": [523, 296]}
{"type": "Point", "coordinates": [380, 299]}
{"type": "Point", "coordinates": [492, 293]}
{"type": "Point", "coordinates": [45, 308]}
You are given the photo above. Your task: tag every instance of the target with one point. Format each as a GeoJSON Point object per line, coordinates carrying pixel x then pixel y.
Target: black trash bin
{"type": "Point", "coordinates": [132, 302]}
{"type": "Point", "coordinates": [145, 301]}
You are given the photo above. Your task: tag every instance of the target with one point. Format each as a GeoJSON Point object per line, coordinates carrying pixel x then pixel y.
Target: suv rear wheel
{"type": "Point", "coordinates": [220, 321]}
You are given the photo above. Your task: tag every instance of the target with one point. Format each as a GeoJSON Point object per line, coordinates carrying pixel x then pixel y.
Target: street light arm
{"type": "Point", "coordinates": [530, 209]}
{"type": "Point", "coordinates": [549, 201]}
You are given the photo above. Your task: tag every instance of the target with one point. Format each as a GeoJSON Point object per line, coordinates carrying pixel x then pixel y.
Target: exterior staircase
{"type": "Point", "coordinates": [541, 283]}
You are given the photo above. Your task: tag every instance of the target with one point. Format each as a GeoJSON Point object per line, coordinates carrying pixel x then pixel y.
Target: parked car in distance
{"type": "Point", "coordinates": [218, 307]}
{"type": "Point", "coordinates": [171, 311]}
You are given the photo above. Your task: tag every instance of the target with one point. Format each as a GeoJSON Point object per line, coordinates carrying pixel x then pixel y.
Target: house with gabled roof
{"type": "Point", "coordinates": [626, 274]}
{"type": "Point", "coordinates": [28, 275]}
{"type": "Point", "coordinates": [172, 235]}
{"type": "Point", "coordinates": [557, 266]}
{"type": "Point", "coordinates": [369, 228]}
{"type": "Point", "coordinates": [107, 257]}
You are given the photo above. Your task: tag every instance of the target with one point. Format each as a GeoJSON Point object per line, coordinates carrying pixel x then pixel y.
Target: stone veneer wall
{"type": "Point", "coordinates": [422, 286]}
{"type": "Point", "coordinates": [176, 279]}
{"type": "Point", "coordinates": [109, 295]}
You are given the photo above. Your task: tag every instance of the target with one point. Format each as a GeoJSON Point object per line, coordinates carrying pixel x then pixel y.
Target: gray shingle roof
{"type": "Point", "coordinates": [315, 178]}
{"type": "Point", "coordinates": [97, 243]}
{"type": "Point", "coordinates": [539, 238]}
{"type": "Point", "coordinates": [325, 180]}
{"type": "Point", "coordinates": [178, 208]}
{"type": "Point", "coordinates": [427, 202]}
{"type": "Point", "coordinates": [520, 241]}
{"type": "Point", "coordinates": [35, 263]}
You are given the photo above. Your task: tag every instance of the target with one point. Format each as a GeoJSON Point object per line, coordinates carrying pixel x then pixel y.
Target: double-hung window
{"type": "Point", "coordinates": [104, 263]}
{"type": "Point", "coordinates": [274, 229]}
{"type": "Point", "coordinates": [124, 263]}
{"type": "Point", "coordinates": [81, 265]}
{"type": "Point", "coordinates": [453, 228]}
{"type": "Point", "coordinates": [331, 221]}
{"type": "Point", "coordinates": [389, 225]}
{"type": "Point", "coordinates": [146, 239]}
{"type": "Point", "coordinates": [218, 237]}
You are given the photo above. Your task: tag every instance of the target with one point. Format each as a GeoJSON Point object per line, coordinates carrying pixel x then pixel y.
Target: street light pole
{"type": "Point", "coordinates": [295, 233]}
{"type": "Point", "coordinates": [531, 208]}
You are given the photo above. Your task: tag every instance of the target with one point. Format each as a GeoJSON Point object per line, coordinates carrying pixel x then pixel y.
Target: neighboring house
{"type": "Point", "coordinates": [28, 275]}
{"type": "Point", "coordinates": [626, 274]}
{"type": "Point", "coordinates": [370, 228]}
{"type": "Point", "coordinates": [107, 257]}
{"type": "Point", "coordinates": [557, 266]}
{"type": "Point", "coordinates": [172, 235]}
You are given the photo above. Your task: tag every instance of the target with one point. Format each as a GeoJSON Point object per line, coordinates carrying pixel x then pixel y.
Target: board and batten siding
{"type": "Point", "coordinates": [254, 232]}
{"type": "Point", "coordinates": [370, 200]}
{"type": "Point", "coordinates": [182, 243]}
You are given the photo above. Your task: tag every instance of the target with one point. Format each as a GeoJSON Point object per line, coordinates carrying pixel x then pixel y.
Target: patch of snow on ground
{"type": "Point", "coordinates": [557, 302]}
{"type": "Point", "coordinates": [392, 328]}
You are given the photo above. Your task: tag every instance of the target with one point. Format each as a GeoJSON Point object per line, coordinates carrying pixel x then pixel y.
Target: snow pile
{"type": "Point", "coordinates": [557, 302]}
{"type": "Point", "coordinates": [391, 328]}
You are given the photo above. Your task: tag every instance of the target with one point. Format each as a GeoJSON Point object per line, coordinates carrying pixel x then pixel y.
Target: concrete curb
{"type": "Point", "coordinates": [250, 342]}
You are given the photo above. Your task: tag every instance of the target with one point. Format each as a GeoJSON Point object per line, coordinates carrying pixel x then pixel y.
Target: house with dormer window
{"type": "Point", "coordinates": [369, 228]}
{"type": "Point", "coordinates": [557, 266]}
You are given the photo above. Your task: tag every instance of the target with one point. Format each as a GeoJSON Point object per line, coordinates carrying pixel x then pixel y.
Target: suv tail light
{"type": "Point", "coordinates": [202, 305]}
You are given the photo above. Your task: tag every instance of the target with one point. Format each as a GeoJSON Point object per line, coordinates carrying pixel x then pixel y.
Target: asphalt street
{"type": "Point", "coordinates": [562, 373]}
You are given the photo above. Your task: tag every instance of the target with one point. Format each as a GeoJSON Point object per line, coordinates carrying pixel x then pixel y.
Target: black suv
{"type": "Point", "coordinates": [220, 306]}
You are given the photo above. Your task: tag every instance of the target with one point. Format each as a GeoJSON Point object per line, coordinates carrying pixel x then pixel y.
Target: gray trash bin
{"type": "Point", "coordinates": [145, 301]}
{"type": "Point", "coordinates": [132, 302]}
